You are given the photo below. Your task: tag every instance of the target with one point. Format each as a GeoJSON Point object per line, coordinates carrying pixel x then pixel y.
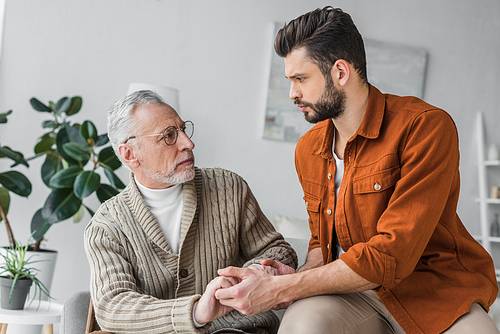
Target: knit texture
{"type": "Point", "coordinates": [139, 286]}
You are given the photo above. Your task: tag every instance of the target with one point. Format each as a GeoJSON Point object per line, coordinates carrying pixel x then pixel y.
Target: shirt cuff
{"type": "Point", "coordinates": [197, 325]}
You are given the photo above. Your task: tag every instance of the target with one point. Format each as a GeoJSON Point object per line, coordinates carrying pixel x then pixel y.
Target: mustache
{"type": "Point", "coordinates": [302, 103]}
{"type": "Point", "coordinates": [189, 156]}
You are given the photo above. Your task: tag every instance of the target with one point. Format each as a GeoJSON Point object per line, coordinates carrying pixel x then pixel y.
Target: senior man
{"type": "Point", "coordinates": [154, 249]}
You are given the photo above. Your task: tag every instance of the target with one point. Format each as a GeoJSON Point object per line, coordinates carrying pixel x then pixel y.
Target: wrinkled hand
{"type": "Point", "coordinates": [281, 269]}
{"type": "Point", "coordinates": [208, 307]}
{"type": "Point", "coordinates": [256, 291]}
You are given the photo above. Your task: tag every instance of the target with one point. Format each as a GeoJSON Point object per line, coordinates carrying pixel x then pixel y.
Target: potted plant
{"type": "Point", "coordinates": [68, 149]}
{"type": "Point", "coordinates": [11, 181]}
{"type": "Point", "coordinates": [16, 278]}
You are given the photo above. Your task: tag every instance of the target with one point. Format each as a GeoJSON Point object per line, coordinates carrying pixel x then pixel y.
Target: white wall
{"type": "Point", "coordinates": [217, 53]}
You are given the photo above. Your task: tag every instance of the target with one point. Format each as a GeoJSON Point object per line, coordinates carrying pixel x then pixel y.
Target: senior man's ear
{"type": "Point", "coordinates": [128, 155]}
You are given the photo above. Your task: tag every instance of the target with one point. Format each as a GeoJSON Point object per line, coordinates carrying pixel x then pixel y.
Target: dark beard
{"type": "Point", "coordinates": [331, 104]}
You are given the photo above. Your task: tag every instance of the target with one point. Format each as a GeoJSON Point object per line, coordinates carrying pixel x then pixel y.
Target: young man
{"type": "Point", "coordinates": [380, 174]}
{"type": "Point", "coordinates": [154, 249]}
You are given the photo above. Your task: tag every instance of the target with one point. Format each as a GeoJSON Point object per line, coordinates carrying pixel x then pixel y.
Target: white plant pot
{"type": "Point", "coordinates": [45, 274]}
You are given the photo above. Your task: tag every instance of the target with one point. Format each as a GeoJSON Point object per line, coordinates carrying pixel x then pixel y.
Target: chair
{"type": "Point", "coordinates": [78, 312]}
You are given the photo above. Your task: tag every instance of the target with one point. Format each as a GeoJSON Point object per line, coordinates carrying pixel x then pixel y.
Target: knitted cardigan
{"type": "Point", "coordinates": [139, 286]}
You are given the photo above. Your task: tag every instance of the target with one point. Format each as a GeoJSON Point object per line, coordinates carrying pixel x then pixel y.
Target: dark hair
{"type": "Point", "coordinates": [327, 34]}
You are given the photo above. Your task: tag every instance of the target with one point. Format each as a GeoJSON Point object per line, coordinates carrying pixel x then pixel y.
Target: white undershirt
{"type": "Point", "coordinates": [339, 173]}
{"type": "Point", "coordinates": [166, 206]}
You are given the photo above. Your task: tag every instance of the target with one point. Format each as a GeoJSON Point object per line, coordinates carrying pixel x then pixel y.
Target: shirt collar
{"type": "Point", "coordinates": [374, 115]}
{"type": "Point", "coordinates": [369, 128]}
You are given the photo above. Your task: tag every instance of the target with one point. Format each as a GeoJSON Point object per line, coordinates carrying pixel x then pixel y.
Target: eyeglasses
{"type": "Point", "coordinates": [170, 134]}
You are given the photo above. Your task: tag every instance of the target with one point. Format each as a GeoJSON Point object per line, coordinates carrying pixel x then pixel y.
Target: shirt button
{"type": "Point", "coordinates": [329, 212]}
{"type": "Point", "coordinates": [328, 246]}
{"type": "Point", "coordinates": [329, 176]}
{"type": "Point", "coordinates": [377, 187]}
{"type": "Point", "coordinates": [183, 273]}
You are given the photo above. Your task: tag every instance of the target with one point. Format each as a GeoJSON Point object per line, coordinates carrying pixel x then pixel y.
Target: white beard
{"type": "Point", "coordinates": [173, 176]}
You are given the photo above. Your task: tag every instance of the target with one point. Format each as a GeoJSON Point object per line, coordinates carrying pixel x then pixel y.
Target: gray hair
{"type": "Point", "coordinates": [120, 122]}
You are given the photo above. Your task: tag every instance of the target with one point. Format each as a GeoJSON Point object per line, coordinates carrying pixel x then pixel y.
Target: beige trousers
{"type": "Point", "coordinates": [364, 313]}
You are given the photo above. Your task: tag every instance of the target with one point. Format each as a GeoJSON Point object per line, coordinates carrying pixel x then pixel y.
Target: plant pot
{"type": "Point", "coordinates": [21, 289]}
{"type": "Point", "coordinates": [45, 273]}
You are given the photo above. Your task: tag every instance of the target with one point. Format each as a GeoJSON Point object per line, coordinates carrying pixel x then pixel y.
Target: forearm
{"type": "Point", "coordinates": [333, 278]}
{"type": "Point", "coordinates": [314, 260]}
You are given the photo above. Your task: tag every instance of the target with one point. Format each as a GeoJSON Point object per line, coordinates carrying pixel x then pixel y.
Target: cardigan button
{"type": "Point", "coordinates": [329, 212]}
{"type": "Point", "coordinates": [183, 273]}
{"type": "Point", "coordinates": [307, 204]}
{"type": "Point", "coordinates": [377, 186]}
{"type": "Point", "coordinates": [329, 176]}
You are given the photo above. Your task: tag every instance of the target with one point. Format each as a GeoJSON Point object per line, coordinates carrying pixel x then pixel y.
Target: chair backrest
{"type": "Point", "coordinates": [78, 314]}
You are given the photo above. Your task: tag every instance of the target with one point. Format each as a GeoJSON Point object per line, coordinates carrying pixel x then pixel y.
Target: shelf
{"type": "Point", "coordinates": [492, 163]}
{"type": "Point", "coordinates": [490, 239]}
{"type": "Point", "coordinates": [489, 200]}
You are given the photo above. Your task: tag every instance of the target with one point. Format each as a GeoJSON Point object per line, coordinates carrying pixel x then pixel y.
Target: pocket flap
{"type": "Point", "coordinates": [312, 204]}
{"type": "Point", "coordinates": [376, 182]}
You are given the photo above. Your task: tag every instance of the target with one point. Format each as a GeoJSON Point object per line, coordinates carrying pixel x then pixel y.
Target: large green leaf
{"type": "Point", "coordinates": [105, 192]}
{"type": "Point", "coordinates": [107, 157]}
{"type": "Point", "coordinates": [18, 157]}
{"type": "Point", "coordinates": [50, 124]}
{"type": "Point", "coordinates": [65, 178]}
{"type": "Point", "coordinates": [102, 140]}
{"type": "Point", "coordinates": [60, 205]}
{"type": "Point", "coordinates": [45, 143]}
{"type": "Point", "coordinates": [86, 183]}
{"type": "Point", "coordinates": [74, 134]}
{"type": "Point", "coordinates": [61, 139]}
{"type": "Point", "coordinates": [63, 105]}
{"type": "Point", "coordinates": [77, 151]}
{"type": "Point", "coordinates": [113, 178]}
{"type": "Point", "coordinates": [4, 200]}
{"type": "Point", "coordinates": [40, 225]}
{"type": "Point", "coordinates": [39, 106]}
{"type": "Point", "coordinates": [52, 165]}
{"type": "Point", "coordinates": [89, 131]}
{"type": "Point", "coordinates": [77, 217]}
{"type": "Point", "coordinates": [3, 116]}
{"type": "Point", "coordinates": [76, 105]}
{"type": "Point", "coordinates": [16, 182]}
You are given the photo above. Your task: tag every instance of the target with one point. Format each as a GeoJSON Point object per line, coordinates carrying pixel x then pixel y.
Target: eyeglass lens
{"type": "Point", "coordinates": [170, 134]}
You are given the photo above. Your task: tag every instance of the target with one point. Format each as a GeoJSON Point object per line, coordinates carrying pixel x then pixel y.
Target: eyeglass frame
{"type": "Point", "coordinates": [165, 131]}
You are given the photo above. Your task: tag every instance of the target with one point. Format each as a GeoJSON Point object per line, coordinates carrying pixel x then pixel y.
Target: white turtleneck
{"type": "Point", "coordinates": [166, 206]}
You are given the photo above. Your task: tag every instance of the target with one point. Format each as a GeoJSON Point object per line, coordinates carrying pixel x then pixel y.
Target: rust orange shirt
{"type": "Point", "coordinates": [395, 215]}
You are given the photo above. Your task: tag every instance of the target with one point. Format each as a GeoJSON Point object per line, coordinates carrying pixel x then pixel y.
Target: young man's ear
{"type": "Point", "coordinates": [341, 72]}
{"type": "Point", "coordinates": [127, 153]}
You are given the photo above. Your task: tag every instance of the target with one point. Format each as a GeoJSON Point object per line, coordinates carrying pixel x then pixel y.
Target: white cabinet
{"type": "Point", "coordinates": [487, 205]}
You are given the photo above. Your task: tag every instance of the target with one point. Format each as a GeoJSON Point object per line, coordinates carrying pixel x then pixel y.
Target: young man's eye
{"type": "Point", "coordinates": [300, 79]}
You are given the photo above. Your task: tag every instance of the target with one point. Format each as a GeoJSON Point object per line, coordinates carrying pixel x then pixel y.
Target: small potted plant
{"type": "Point", "coordinates": [17, 276]}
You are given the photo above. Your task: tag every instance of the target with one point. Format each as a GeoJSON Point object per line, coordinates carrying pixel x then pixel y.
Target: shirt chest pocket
{"type": "Point", "coordinates": [313, 206]}
{"type": "Point", "coordinates": [372, 194]}
{"type": "Point", "coordinates": [376, 182]}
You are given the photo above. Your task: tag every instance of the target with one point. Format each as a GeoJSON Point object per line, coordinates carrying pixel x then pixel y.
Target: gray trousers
{"type": "Point", "coordinates": [364, 313]}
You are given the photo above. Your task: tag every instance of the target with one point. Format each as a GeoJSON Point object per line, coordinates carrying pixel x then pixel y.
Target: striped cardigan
{"type": "Point", "coordinates": [139, 286]}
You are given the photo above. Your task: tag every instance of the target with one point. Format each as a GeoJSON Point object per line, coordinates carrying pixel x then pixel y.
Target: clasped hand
{"type": "Point", "coordinates": [257, 288]}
